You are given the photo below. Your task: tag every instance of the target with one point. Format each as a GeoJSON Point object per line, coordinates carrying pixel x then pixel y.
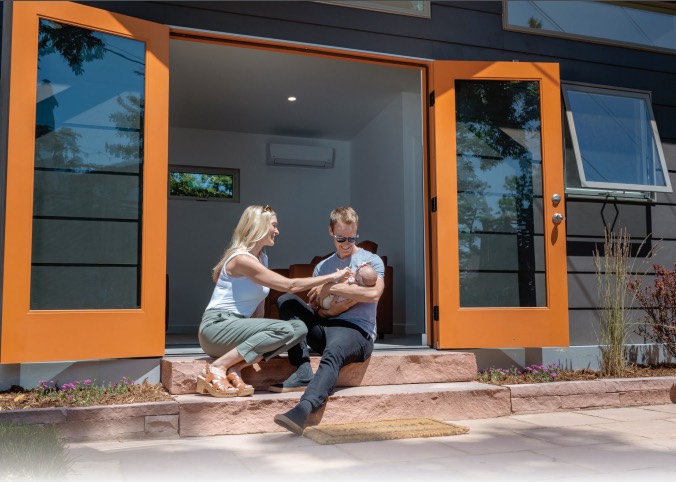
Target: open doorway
{"type": "Point", "coordinates": [228, 103]}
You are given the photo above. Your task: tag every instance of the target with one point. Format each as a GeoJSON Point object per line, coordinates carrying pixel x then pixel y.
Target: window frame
{"type": "Point", "coordinates": [646, 6]}
{"type": "Point", "coordinates": [219, 171]}
{"type": "Point", "coordinates": [383, 7]}
{"type": "Point", "coordinates": [613, 189]}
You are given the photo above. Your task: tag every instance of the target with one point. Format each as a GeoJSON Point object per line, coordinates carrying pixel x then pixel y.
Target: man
{"type": "Point", "coordinates": [343, 334]}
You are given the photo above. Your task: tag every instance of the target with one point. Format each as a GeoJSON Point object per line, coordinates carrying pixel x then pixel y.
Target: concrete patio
{"type": "Point", "coordinates": [633, 443]}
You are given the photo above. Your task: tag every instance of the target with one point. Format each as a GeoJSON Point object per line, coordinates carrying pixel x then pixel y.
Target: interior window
{"type": "Point", "coordinates": [612, 143]}
{"type": "Point", "coordinates": [202, 183]}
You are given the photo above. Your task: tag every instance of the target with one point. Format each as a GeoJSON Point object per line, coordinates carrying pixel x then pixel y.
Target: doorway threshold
{"type": "Point", "coordinates": [187, 344]}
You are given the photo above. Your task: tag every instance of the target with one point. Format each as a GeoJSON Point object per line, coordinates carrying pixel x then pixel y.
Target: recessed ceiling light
{"type": "Point", "coordinates": [292, 99]}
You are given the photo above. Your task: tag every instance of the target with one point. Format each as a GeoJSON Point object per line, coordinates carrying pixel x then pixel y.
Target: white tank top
{"type": "Point", "coordinates": [238, 295]}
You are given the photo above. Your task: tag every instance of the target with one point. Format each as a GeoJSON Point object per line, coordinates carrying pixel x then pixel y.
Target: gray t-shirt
{"type": "Point", "coordinates": [362, 314]}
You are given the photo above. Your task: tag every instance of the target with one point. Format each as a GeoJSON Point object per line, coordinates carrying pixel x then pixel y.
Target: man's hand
{"type": "Point", "coordinates": [312, 296]}
{"type": "Point", "coordinates": [318, 293]}
{"type": "Point", "coordinates": [336, 308]}
{"type": "Point", "coordinates": [324, 291]}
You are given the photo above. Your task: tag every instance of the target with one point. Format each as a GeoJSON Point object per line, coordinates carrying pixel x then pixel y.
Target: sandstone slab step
{"type": "Point", "coordinates": [202, 415]}
{"type": "Point", "coordinates": [103, 422]}
{"type": "Point", "coordinates": [178, 374]}
{"type": "Point", "coordinates": [574, 395]}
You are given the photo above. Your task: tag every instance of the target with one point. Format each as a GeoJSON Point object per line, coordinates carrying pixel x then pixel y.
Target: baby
{"type": "Point", "coordinates": [364, 275]}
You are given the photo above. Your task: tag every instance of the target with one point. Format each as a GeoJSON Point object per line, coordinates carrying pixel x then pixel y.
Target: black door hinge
{"type": "Point", "coordinates": [432, 99]}
{"type": "Point", "coordinates": [435, 313]}
{"type": "Point", "coordinates": [433, 204]}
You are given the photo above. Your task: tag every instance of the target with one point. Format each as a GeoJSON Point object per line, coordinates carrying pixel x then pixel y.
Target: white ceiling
{"type": "Point", "coordinates": [237, 89]}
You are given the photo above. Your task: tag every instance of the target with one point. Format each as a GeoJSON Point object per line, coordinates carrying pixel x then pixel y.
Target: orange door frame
{"type": "Point", "coordinates": [425, 67]}
{"type": "Point", "coordinates": [52, 335]}
{"type": "Point", "coordinates": [497, 327]}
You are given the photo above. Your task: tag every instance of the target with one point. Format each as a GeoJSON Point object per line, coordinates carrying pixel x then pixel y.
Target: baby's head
{"type": "Point", "coordinates": [365, 275]}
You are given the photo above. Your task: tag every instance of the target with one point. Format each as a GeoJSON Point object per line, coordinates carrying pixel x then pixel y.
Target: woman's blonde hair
{"type": "Point", "coordinates": [251, 228]}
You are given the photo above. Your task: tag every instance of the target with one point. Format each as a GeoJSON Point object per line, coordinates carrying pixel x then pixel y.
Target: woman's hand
{"type": "Point", "coordinates": [342, 274]}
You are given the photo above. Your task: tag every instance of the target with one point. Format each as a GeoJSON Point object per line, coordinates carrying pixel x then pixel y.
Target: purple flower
{"type": "Point", "coordinates": [553, 375]}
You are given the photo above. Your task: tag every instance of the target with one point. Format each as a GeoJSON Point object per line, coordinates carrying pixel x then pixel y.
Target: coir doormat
{"type": "Point", "coordinates": [391, 429]}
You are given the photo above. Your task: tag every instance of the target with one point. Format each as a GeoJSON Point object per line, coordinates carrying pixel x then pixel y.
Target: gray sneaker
{"type": "Point", "coordinates": [292, 384]}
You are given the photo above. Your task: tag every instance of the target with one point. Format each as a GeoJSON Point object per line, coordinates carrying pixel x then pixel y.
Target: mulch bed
{"type": "Point", "coordinates": [16, 398]}
{"type": "Point", "coordinates": [632, 371]}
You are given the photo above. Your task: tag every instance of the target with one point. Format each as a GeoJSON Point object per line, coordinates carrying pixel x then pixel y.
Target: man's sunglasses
{"type": "Point", "coordinates": [349, 239]}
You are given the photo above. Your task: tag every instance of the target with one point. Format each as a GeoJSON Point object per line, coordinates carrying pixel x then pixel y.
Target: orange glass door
{"type": "Point", "coordinates": [85, 239]}
{"type": "Point", "coordinates": [499, 228]}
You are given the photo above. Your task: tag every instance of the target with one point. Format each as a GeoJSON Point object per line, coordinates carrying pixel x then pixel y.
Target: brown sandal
{"type": "Point", "coordinates": [244, 389]}
{"type": "Point", "coordinates": [215, 385]}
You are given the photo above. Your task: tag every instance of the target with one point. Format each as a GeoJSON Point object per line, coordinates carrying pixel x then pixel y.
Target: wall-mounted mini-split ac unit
{"type": "Point", "coordinates": [299, 155]}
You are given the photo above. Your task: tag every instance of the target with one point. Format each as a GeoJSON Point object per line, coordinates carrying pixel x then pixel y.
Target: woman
{"type": "Point", "coordinates": [232, 329]}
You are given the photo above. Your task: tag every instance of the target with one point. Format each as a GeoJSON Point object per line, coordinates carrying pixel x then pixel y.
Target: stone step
{"type": "Point", "coordinates": [202, 415]}
{"type": "Point", "coordinates": [179, 374]}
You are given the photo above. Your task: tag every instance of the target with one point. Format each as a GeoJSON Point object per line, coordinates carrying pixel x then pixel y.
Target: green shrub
{"type": "Point", "coordinates": [83, 393]}
{"type": "Point", "coordinates": [32, 452]}
{"type": "Point", "coordinates": [616, 273]}
{"type": "Point", "coordinates": [530, 374]}
{"type": "Point", "coordinates": [658, 301]}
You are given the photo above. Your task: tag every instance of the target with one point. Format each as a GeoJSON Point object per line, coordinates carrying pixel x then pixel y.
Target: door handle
{"type": "Point", "coordinates": [557, 218]}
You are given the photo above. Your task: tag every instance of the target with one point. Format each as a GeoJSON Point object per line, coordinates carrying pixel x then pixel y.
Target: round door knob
{"type": "Point", "coordinates": [557, 218]}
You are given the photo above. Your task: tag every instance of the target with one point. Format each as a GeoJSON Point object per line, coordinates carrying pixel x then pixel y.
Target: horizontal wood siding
{"type": "Point", "coordinates": [473, 31]}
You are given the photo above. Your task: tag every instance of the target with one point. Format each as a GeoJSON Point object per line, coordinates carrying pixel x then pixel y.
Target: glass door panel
{"type": "Point", "coordinates": [85, 240]}
{"type": "Point", "coordinates": [500, 260]}
{"type": "Point", "coordinates": [87, 192]}
{"type": "Point", "coordinates": [498, 152]}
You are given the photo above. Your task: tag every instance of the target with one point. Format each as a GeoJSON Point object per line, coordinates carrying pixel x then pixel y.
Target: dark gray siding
{"type": "Point", "coordinates": [473, 31]}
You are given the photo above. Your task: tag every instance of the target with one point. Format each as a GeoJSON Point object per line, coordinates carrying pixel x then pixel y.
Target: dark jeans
{"type": "Point", "coordinates": [338, 342]}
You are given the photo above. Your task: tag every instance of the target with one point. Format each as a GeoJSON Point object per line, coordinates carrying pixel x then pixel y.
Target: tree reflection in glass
{"type": "Point", "coordinates": [499, 193]}
{"type": "Point", "coordinates": [88, 169]}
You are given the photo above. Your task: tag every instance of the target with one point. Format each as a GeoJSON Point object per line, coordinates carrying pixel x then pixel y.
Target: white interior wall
{"type": "Point", "coordinates": [377, 184]}
{"type": "Point", "coordinates": [414, 219]}
{"type": "Point", "coordinates": [198, 231]}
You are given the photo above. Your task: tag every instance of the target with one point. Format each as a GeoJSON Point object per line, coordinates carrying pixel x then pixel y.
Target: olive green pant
{"type": "Point", "coordinates": [221, 331]}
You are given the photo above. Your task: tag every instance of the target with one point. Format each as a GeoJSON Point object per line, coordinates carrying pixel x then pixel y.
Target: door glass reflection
{"type": "Point", "coordinates": [500, 211]}
{"type": "Point", "coordinates": [87, 200]}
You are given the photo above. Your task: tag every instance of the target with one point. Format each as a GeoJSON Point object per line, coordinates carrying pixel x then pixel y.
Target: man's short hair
{"type": "Point", "coordinates": [343, 214]}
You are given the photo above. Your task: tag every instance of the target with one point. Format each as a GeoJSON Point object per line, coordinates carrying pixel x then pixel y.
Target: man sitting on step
{"type": "Point", "coordinates": [343, 334]}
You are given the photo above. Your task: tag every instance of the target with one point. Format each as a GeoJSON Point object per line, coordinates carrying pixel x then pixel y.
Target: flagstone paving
{"type": "Point", "coordinates": [602, 444]}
